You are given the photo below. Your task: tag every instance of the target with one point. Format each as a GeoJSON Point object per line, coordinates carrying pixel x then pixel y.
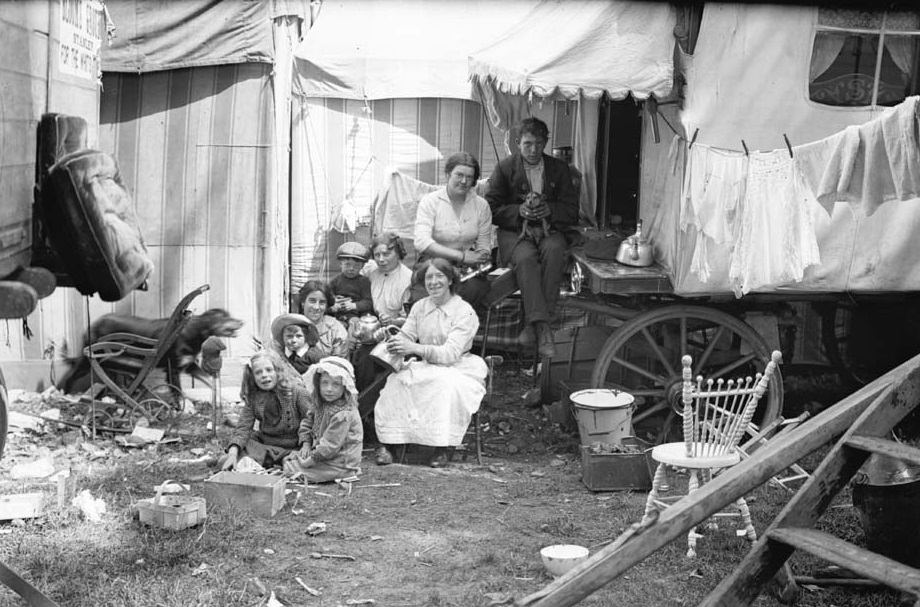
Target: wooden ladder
{"type": "Point", "coordinates": [793, 529]}
{"type": "Point", "coordinates": [857, 424]}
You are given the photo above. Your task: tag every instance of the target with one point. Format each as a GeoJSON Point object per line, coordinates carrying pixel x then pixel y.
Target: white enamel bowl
{"type": "Point", "coordinates": [560, 558]}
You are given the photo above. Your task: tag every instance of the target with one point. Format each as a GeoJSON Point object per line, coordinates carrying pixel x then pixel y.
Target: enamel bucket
{"type": "Point", "coordinates": [603, 416]}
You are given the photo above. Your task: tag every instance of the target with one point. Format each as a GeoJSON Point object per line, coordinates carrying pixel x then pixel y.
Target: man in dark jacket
{"type": "Point", "coordinates": [533, 201]}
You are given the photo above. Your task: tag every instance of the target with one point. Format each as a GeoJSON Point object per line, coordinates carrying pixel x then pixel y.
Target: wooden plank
{"type": "Point", "coordinates": [840, 464]}
{"type": "Point", "coordinates": [885, 447]}
{"type": "Point", "coordinates": [789, 447]}
{"type": "Point", "coordinates": [864, 562]}
{"type": "Point", "coordinates": [23, 505]}
{"type": "Point", "coordinates": [23, 588]}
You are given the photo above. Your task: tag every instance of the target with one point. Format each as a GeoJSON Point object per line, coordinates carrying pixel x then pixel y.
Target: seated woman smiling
{"type": "Point", "coordinates": [431, 400]}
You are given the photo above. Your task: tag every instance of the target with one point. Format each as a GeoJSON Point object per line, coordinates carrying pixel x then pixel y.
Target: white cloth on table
{"type": "Point", "coordinates": [867, 164]}
{"type": "Point", "coordinates": [390, 291]}
{"type": "Point", "coordinates": [776, 239]}
{"type": "Point", "coordinates": [430, 402]}
{"type": "Point", "coordinates": [714, 184]}
{"type": "Point", "coordinates": [466, 226]}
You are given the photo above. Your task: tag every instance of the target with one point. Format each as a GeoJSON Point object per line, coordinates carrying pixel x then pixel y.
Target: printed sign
{"type": "Point", "coordinates": [82, 30]}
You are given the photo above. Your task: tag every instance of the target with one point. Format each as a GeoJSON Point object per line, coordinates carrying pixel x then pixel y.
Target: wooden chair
{"type": "Point", "coordinates": [716, 414]}
{"type": "Point", "coordinates": [123, 361]}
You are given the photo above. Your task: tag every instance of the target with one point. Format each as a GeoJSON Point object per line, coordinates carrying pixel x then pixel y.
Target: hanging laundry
{"type": "Point", "coordinates": [714, 184]}
{"type": "Point", "coordinates": [867, 164]}
{"type": "Point", "coordinates": [776, 236]}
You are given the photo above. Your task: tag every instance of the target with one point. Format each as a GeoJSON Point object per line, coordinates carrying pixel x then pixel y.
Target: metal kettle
{"type": "Point", "coordinates": [365, 327]}
{"type": "Point", "coordinates": [636, 250]}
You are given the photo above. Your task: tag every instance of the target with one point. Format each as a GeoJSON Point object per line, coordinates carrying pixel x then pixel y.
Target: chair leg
{"type": "Point", "coordinates": [692, 486]}
{"type": "Point", "coordinates": [748, 526]}
{"type": "Point", "coordinates": [661, 475]}
{"type": "Point", "coordinates": [478, 438]}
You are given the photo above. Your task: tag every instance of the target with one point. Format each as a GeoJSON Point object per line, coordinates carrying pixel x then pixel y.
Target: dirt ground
{"type": "Point", "coordinates": [467, 535]}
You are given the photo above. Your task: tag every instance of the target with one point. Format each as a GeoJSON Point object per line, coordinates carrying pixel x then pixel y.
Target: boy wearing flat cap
{"type": "Point", "coordinates": [352, 290]}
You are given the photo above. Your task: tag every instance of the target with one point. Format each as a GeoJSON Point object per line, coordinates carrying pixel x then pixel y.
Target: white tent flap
{"type": "Point", "coordinates": [386, 50]}
{"type": "Point", "coordinates": [564, 48]}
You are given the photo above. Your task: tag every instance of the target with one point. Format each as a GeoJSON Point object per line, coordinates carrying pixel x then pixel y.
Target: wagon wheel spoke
{"type": "Point", "coordinates": [648, 412]}
{"type": "Point", "coordinates": [701, 360]}
{"type": "Point", "coordinates": [734, 365]}
{"type": "Point", "coordinates": [664, 361]}
{"type": "Point", "coordinates": [628, 365]}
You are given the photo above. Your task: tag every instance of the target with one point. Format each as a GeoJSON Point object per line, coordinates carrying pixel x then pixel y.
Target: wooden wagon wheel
{"type": "Point", "coordinates": [643, 355]}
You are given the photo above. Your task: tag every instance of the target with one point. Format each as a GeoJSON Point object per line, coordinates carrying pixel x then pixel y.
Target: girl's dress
{"type": "Point", "coordinates": [333, 429]}
{"type": "Point", "coordinates": [280, 413]}
{"type": "Point", "coordinates": [430, 402]}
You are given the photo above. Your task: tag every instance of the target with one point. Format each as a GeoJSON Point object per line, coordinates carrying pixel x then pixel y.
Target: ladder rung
{"type": "Point", "coordinates": [858, 560]}
{"type": "Point", "coordinates": [885, 447]}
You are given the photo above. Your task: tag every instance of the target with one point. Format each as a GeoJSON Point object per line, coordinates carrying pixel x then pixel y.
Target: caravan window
{"type": "Point", "coordinates": [864, 58]}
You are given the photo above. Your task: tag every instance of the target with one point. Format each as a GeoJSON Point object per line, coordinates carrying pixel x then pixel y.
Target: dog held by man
{"type": "Point", "coordinates": [181, 356]}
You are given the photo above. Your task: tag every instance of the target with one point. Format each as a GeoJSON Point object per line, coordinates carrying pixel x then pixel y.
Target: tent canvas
{"type": "Point", "coordinates": [588, 49]}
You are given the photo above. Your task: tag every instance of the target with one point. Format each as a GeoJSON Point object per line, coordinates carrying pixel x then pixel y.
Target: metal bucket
{"type": "Point", "coordinates": [603, 416]}
{"type": "Point", "coordinates": [886, 494]}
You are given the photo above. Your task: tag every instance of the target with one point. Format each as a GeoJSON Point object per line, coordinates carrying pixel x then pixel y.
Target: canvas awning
{"type": "Point", "coordinates": [413, 48]}
{"type": "Point", "coordinates": [151, 35]}
{"type": "Point", "coordinates": [570, 49]}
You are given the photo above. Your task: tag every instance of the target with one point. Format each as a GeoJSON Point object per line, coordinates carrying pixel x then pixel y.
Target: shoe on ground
{"type": "Point", "coordinates": [439, 460]}
{"type": "Point", "coordinates": [545, 345]}
{"type": "Point", "coordinates": [527, 337]}
{"type": "Point", "coordinates": [382, 456]}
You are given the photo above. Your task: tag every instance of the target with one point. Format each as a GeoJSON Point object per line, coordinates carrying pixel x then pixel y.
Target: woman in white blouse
{"type": "Point", "coordinates": [431, 400]}
{"type": "Point", "coordinates": [454, 223]}
{"type": "Point", "coordinates": [390, 278]}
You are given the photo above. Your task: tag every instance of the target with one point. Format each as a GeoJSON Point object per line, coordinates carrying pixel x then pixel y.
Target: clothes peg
{"type": "Point", "coordinates": [744, 145]}
{"type": "Point", "coordinates": [788, 145]}
{"type": "Point", "coordinates": [693, 139]}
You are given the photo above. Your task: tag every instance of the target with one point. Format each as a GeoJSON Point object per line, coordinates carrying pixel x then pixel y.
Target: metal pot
{"type": "Point", "coordinates": [636, 250]}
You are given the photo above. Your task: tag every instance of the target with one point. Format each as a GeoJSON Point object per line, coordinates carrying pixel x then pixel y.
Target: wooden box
{"type": "Point", "coordinates": [172, 512]}
{"type": "Point", "coordinates": [261, 493]}
{"type": "Point", "coordinates": [617, 471]}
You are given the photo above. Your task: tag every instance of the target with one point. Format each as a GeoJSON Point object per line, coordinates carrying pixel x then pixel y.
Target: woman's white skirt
{"type": "Point", "coordinates": [428, 404]}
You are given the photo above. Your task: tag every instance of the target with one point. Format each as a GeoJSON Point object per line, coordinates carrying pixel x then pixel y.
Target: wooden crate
{"type": "Point", "coordinates": [172, 512]}
{"type": "Point", "coordinates": [617, 471]}
{"type": "Point", "coordinates": [261, 493]}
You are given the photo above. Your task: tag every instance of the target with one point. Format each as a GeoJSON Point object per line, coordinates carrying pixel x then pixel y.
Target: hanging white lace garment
{"type": "Point", "coordinates": [713, 186]}
{"type": "Point", "coordinates": [776, 239]}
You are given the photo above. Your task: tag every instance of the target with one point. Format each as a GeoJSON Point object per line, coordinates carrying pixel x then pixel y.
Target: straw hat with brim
{"type": "Point", "coordinates": [286, 320]}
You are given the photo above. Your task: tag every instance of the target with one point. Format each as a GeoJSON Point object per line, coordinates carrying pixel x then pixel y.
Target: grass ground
{"type": "Point", "coordinates": [465, 536]}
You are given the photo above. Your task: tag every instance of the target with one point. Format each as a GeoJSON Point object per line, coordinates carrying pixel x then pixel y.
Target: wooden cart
{"type": "Point", "coordinates": [654, 328]}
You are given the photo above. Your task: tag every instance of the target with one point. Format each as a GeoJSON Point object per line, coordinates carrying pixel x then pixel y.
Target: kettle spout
{"type": "Point", "coordinates": [634, 250]}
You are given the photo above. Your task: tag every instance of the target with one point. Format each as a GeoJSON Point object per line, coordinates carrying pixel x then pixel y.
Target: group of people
{"type": "Point", "coordinates": [304, 390]}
